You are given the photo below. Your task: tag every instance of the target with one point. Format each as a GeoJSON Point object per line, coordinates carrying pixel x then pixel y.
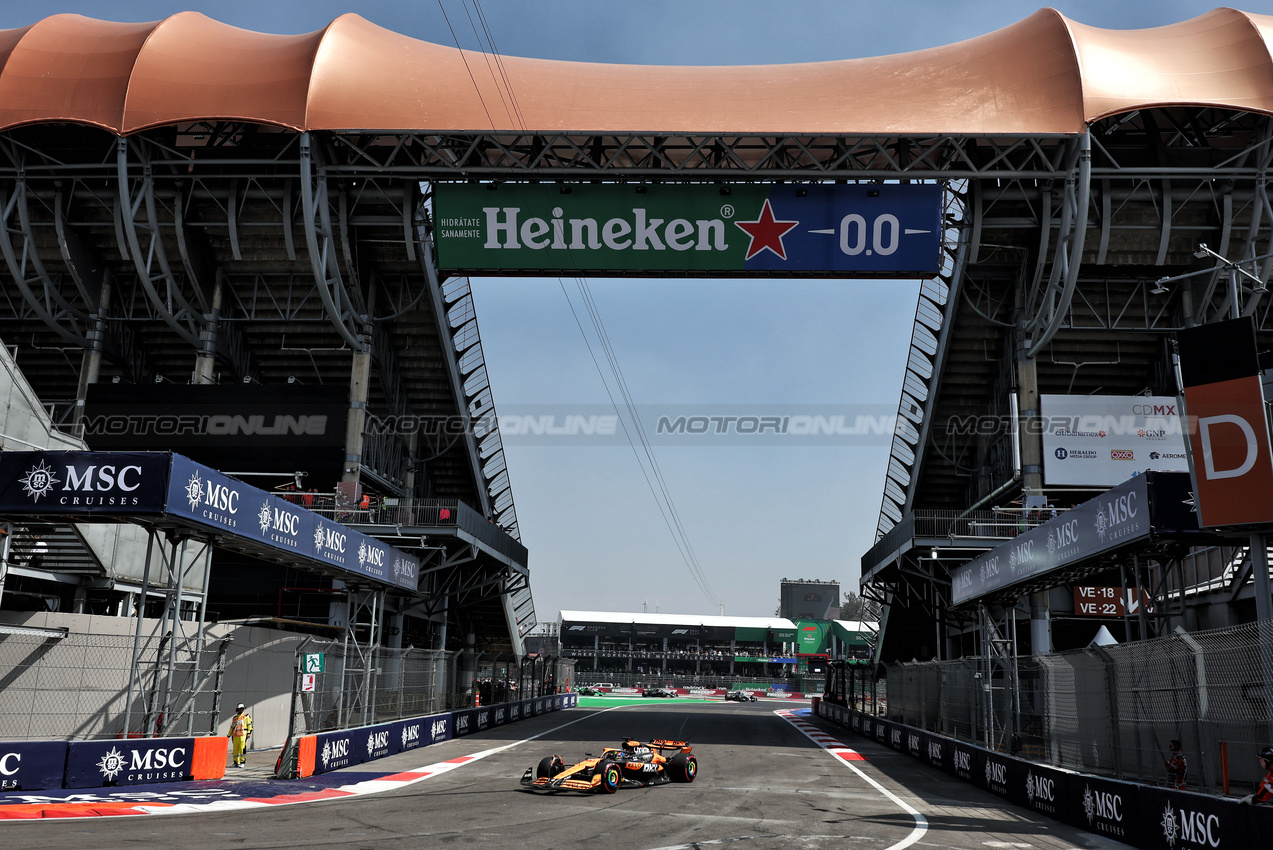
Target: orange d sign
{"type": "Point", "coordinates": [1229, 455]}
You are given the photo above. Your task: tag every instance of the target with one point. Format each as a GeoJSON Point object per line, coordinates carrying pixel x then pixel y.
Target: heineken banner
{"type": "Point", "coordinates": [858, 230]}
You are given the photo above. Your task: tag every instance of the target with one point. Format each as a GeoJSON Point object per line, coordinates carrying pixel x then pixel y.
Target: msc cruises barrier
{"type": "Point", "coordinates": [1156, 503]}
{"type": "Point", "coordinates": [1144, 816]}
{"type": "Point", "coordinates": [47, 765]}
{"type": "Point", "coordinates": [162, 488]}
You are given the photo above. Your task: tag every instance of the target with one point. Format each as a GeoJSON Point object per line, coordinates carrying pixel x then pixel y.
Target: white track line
{"type": "Point", "coordinates": [846, 757]}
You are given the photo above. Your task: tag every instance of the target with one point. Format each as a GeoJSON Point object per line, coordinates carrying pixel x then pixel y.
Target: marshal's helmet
{"type": "Point", "coordinates": [1266, 754]}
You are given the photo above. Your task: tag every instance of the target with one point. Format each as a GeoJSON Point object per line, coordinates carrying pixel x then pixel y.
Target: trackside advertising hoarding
{"type": "Point", "coordinates": [1139, 815]}
{"type": "Point", "coordinates": [68, 483]}
{"type": "Point", "coordinates": [210, 498]}
{"type": "Point", "coordinates": [89, 485]}
{"type": "Point", "coordinates": [876, 230]}
{"type": "Point", "coordinates": [1156, 502]}
{"type": "Point", "coordinates": [1101, 441]}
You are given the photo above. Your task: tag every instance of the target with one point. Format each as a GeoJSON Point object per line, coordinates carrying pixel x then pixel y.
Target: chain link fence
{"type": "Point", "coordinates": [506, 678]}
{"type": "Point", "coordinates": [362, 686]}
{"type": "Point", "coordinates": [1104, 710]}
{"type": "Point", "coordinates": [76, 687]}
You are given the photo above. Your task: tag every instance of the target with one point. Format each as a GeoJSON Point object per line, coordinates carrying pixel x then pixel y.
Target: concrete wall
{"type": "Point", "coordinates": [77, 687]}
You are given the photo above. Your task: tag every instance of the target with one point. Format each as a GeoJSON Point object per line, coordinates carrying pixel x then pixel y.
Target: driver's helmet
{"type": "Point", "coordinates": [636, 751]}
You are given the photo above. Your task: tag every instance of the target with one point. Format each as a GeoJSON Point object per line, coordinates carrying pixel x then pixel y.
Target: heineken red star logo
{"type": "Point", "coordinates": [766, 233]}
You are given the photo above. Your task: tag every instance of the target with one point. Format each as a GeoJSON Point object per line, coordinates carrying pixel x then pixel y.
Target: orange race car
{"type": "Point", "coordinates": [631, 763]}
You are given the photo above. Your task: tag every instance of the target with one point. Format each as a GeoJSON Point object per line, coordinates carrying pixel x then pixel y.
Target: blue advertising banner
{"type": "Point", "coordinates": [334, 750]}
{"type": "Point", "coordinates": [1144, 816]}
{"type": "Point", "coordinates": [210, 498]}
{"type": "Point", "coordinates": [146, 483]}
{"type": "Point", "coordinates": [92, 764]}
{"type": "Point", "coordinates": [1103, 806]}
{"type": "Point", "coordinates": [499, 715]}
{"type": "Point", "coordinates": [514, 712]}
{"type": "Point", "coordinates": [408, 735]}
{"type": "Point", "coordinates": [438, 727]}
{"type": "Point", "coordinates": [31, 765]}
{"type": "Point", "coordinates": [380, 740]}
{"type": "Point", "coordinates": [83, 482]}
{"type": "Point", "coordinates": [204, 495]}
{"type": "Point", "coordinates": [1142, 505]}
{"type": "Point", "coordinates": [1181, 820]}
{"type": "Point", "coordinates": [464, 722]}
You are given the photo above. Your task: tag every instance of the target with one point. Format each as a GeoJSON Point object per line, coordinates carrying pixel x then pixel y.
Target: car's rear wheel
{"type": "Point", "coordinates": [611, 776]}
{"type": "Point", "coordinates": [683, 767]}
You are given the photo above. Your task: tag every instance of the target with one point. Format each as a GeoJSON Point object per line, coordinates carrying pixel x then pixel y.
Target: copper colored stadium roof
{"type": "Point", "coordinates": [1043, 75]}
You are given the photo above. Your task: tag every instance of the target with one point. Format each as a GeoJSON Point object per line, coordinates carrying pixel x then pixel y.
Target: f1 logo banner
{"type": "Point", "coordinates": [1229, 459]}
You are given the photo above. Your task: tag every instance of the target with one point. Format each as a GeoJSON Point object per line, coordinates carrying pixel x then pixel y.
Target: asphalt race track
{"type": "Point", "coordinates": [762, 783]}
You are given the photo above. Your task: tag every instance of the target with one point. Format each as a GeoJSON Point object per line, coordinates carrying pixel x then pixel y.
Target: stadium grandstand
{"type": "Point", "coordinates": [256, 277]}
{"type": "Point", "coordinates": [696, 650]}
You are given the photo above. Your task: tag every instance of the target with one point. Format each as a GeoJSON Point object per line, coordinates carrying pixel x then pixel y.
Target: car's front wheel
{"type": "Point", "coordinates": [549, 766]}
{"type": "Point", "coordinates": [611, 776]}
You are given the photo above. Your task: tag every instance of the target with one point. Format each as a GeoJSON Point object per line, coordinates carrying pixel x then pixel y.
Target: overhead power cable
{"type": "Point", "coordinates": [649, 466]}
{"type": "Point", "coordinates": [645, 457]}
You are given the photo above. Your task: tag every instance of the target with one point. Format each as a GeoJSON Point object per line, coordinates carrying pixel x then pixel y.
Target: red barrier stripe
{"type": "Point", "coordinates": [28, 811]}
{"type": "Point", "coordinates": [326, 794]}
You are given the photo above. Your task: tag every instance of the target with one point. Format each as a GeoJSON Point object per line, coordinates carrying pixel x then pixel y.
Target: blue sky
{"type": "Point", "coordinates": [753, 514]}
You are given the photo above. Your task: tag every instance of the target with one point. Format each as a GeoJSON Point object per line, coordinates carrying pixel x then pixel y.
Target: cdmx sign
{"type": "Point", "coordinates": [877, 230]}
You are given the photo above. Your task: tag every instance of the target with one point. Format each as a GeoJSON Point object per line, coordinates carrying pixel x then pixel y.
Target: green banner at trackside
{"type": "Point", "coordinates": [845, 230]}
{"type": "Point", "coordinates": [812, 637]}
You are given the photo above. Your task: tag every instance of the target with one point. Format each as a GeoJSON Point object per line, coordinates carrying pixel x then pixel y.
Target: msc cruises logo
{"type": "Point", "coordinates": [362, 553]}
{"type": "Point", "coordinates": [39, 481]}
{"type": "Point", "coordinates": [265, 517]}
{"type": "Point", "coordinates": [194, 490]}
{"type": "Point", "coordinates": [112, 764]}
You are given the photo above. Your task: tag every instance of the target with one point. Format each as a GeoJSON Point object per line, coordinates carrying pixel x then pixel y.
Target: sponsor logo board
{"type": "Point", "coordinates": [878, 230]}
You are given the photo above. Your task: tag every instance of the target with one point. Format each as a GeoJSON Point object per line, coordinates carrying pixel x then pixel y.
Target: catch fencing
{"type": "Point", "coordinates": [361, 686]}
{"type": "Point", "coordinates": [76, 686]}
{"type": "Point", "coordinates": [1109, 711]}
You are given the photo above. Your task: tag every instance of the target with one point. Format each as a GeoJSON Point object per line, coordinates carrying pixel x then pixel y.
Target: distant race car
{"type": "Point", "coordinates": [631, 764]}
{"type": "Point", "coordinates": [658, 692]}
{"type": "Point", "coordinates": [589, 692]}
{"type": "Point", "coordinates": [741, 696]}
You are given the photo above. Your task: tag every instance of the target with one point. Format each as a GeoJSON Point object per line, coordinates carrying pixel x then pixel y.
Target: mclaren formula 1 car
{"type": "Point", "coordinates": [632, 764]}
